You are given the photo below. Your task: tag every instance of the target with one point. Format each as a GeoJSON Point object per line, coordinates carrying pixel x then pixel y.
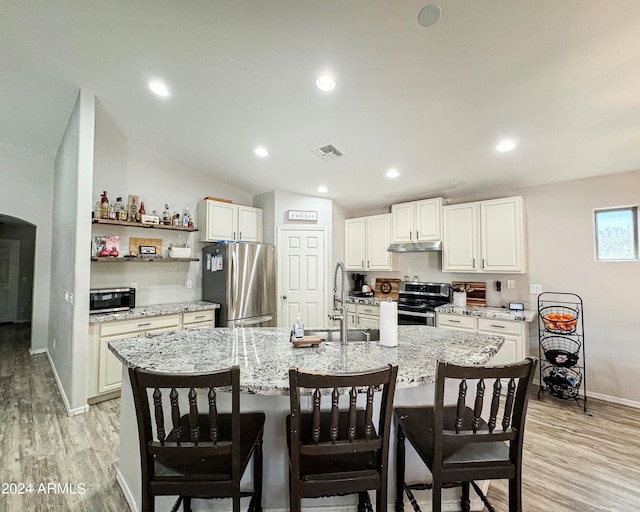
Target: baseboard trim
{"type": "Point", "coordinates": [128, 495]}
{"type": "Point", "coordinates": [65, 401]}
{"type": "Point", "coordinates": [614, 400]}
{"type": "Point", "coordinates": [606, 398]}
{"type": "Point", "coordinates": [33, 352]}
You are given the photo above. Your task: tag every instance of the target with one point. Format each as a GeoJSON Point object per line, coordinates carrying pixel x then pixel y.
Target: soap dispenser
{"type": "Point", "coordinates": [298, 328]}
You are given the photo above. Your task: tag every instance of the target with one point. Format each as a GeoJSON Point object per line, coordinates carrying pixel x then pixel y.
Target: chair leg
{"type": "Point", "coordinates": [515, 493]}
{"type": "Point", "coordinates": [465, 502]}
{"type": "Point", "coordinates": [400, 458]}
{"type": "Point", "coordinates": [295, 502]}
{"type": "Point", "coordinates": [381, 498]}
{"type": "Point", "coordinates": [186, 504]}
{"type": "Point", "coordinates": [257, 476]}
{"type": "Point", "coordinates": [436, 497]}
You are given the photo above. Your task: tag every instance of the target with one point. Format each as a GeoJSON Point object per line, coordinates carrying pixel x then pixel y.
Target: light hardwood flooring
{"type": "Point", "coordinates": [572, 462]}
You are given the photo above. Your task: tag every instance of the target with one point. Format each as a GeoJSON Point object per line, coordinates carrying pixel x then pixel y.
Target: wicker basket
{"type": "Point", "coordinates": [559, 319]}
{"type": "Point", "coordinates": [560, 351]}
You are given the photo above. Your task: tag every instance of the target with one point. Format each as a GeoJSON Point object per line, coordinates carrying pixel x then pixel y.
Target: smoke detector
{"type": "Point", "coordinates": [328, 152]}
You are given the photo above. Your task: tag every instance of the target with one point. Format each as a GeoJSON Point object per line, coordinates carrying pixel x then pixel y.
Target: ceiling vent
{"type": "Point", "coordinates": [328, 152]}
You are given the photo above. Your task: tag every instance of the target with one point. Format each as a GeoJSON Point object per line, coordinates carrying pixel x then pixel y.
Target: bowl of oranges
{"type": "Point", "coordinates": [559, 319]}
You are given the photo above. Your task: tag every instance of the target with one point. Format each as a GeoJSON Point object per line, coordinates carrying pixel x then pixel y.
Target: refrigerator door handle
{"type": "Point", "coordinates": [251, 321]}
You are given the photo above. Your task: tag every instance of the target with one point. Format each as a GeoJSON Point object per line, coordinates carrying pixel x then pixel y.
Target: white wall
{"type": "Point", "coordinates": [560, 241]}
{"type": "Point", "coordinates": [122, 169]}
{"type": "Point", "coordinates": [69, 260]}
{"type": "Point", "coordinates": [26, 191]}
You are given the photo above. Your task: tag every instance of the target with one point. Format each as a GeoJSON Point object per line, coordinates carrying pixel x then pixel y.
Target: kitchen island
{"type": "Point", "coordinates": [264, 356]}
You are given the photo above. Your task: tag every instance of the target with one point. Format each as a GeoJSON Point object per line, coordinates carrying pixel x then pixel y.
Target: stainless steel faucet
{"type": "Point", "coordinates": [340, 314]}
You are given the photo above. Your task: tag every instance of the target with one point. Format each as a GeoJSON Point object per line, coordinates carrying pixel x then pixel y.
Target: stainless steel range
{"type": "Point", "coordinates": [417, 301]}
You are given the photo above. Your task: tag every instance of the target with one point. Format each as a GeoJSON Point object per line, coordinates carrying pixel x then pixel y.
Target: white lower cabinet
{"type": "Point", "coordinates": [515, 332]}
{"type": "Point", "coordinates": [106, 369]}
{"type": "Point", "coordinates": [366, 316]}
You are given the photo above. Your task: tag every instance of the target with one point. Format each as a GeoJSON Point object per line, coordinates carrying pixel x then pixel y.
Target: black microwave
{"type": "Point", "coordinates": [106, 300]}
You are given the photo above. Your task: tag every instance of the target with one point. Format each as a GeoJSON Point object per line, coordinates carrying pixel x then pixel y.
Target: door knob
{"type": "Point", "coordinates": [284, 297]}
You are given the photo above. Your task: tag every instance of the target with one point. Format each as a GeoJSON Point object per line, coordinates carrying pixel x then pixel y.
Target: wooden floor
{"type": "Point", "coordinates": [572, 462]}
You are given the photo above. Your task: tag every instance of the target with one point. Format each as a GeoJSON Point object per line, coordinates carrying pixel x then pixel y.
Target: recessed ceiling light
{"type": "Point", "coordinates": [393, 173]}
{"type": "Point", "coordinates": [159, 88]}
{"type": "Point", "coordinates": [505, 145]}
{"type": "Point", "coordinates": [322, 189]}
{"type": "Point", "coordinates": [261, 151]}
{"type": "Point", "coordinates": [325, 83]}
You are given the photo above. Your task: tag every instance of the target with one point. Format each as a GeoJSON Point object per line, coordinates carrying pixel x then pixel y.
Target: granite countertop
{"type": "Point", "coordinates": [527, 315]}
{"type": "Point", "coordinates": [154, 310]}
{"type": "Point", "coordinates": [265, 354]}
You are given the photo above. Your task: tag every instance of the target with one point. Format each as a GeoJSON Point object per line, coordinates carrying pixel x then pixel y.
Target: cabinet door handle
{"type": "Point", "coordinates": [200, 316]}
{"type": "Point", "coordinates": [474, 263]}
{"type": "Point", "coordinates": [417, 234]}
{"type": "Point", "coordinates": [144, 324]}
{"type": "Point", "coordinates": [483, 263]}
{"type": "Point", "coordinates": [410, 235]}
{"type": "Point", "coordinates": [240, 237]}
{"type": "Point", "coordinates": [368, 264]}
{"type": "Point", "coordinates": [498, 326]}
{"type": "Point", "coordinates": [362, 263]}
{"type": "Point", "coordinates": [454, 321]}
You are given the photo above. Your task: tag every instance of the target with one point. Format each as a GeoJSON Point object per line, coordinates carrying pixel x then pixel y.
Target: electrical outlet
{"type": "Point", "coordinates": [511, 284]}
{"type": "Point", "coordinates": [535, 289]}
{"type": "Point", "coordinates": [71, 298]}
{"type": "Point", "coordinates": [498, 286]}
{"type": "Point", "coordinates": [189, 284]}
{"type": "Point", "coordinates": [66, 295]}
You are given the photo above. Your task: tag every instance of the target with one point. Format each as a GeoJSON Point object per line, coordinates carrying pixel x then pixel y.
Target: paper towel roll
{"type": "Point", "coordinates": [388, 323]}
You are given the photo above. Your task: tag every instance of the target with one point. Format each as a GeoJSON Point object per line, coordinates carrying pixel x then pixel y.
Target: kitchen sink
{"type": "Point", "coordinates": [352, 334]}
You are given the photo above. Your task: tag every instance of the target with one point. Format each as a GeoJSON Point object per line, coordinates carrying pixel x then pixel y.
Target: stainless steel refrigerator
{"type": "Point", "coordinates": [241, 277]}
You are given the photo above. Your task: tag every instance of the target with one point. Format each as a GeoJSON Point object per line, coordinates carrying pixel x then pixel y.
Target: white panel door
{"type": "Point", "coordinates": [9, 270]}
{"type": "Point", "coordinates": [301, 256]}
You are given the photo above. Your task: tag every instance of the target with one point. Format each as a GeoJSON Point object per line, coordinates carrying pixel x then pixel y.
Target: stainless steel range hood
{"type": "Point", "coordinates": [416, 247]}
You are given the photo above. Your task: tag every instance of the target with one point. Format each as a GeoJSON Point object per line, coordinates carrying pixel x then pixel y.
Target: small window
{"type": "Point", "coordinates": [617, 234]}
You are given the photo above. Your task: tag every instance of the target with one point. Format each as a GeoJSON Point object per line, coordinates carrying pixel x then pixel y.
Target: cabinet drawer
{"type": "Point", "coordinates": [500, 326]}
{"type": "Point", "coordinates": [457, 321]}
{"type": "Point", "coordinates": [351, 308]}
{"type": "Point", "coordinates": [367, 309]}
{"type": "Point", "coordinates": [139, 324]}
{"type": "Point", "coordinates": [197, 316]}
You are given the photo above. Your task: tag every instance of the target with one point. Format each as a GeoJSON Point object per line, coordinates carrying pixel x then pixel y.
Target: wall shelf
{"type": "Point", "coordinates": [125, 223]}
{"type": "Point", "coordinates": [141, 260]}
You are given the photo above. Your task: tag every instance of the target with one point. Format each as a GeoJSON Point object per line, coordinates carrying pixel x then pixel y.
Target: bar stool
{"type": "Point", "coordinates": [460, 445]}
{"type": "Point", "coordinates": [203, 455]}
{"type": "Point", "coordinates": [334, 452]}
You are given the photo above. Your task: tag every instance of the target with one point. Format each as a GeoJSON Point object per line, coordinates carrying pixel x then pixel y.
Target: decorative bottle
{"type": "Point", "coordinates": [186, 217]}
{"type": "Point", "coordinates": [141, 212]}
{"type": "Point", "coordinates": [104, 206]}
{"type": "Point", "coordinates": [166, 216]}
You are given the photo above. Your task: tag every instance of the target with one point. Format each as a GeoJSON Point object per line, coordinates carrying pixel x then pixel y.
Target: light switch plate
{"type": "Point", "coordinates": [535, 289]}
{"type": "Point", "coordinates": [511, 284]}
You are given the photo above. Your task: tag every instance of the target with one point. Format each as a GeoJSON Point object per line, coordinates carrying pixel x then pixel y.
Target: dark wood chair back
{"type": "Point", "coordinates": [194, 452]}
{"type": "Point", "coordinates": [334, 451]}
{"type": "Point", "coordinates": [505, 388]}
{"type": "Point", "coordinates": [163, 400]}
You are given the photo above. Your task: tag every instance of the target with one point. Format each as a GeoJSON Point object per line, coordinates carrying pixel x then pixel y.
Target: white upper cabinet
{"type": "Point", "coordinates": [460, 241]}
{"type": "Point", "coordinates": [218, 220]}
{"type": "Point", "coordinates": [417, 221]}
{"type": "Point", "coordinates": [366, 243]}
{"type": "Point", "coordinates": [485, 236]}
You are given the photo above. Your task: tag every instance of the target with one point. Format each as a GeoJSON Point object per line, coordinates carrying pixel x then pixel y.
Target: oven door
{"type": "Point", "coordinates": [411, 318]}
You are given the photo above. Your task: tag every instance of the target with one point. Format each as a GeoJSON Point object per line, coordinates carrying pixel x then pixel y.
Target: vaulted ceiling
{"type": "Point", "coordinates": [560, 78]}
